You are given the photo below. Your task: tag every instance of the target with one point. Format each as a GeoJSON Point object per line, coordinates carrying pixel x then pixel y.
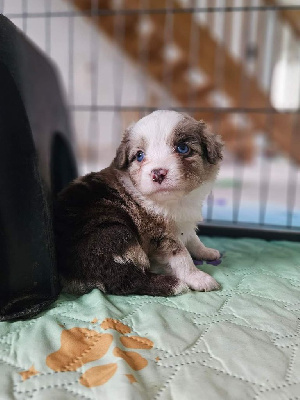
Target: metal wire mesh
{"type": "Point", "coordinates": [234, 63]}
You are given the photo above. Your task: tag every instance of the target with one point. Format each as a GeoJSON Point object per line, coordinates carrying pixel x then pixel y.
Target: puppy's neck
{"type": "Point", "coordinates": [186, 209]}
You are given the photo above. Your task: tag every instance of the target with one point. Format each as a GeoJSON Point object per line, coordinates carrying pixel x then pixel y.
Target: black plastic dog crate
{"type": "Point", "coordinates": [36, 161]}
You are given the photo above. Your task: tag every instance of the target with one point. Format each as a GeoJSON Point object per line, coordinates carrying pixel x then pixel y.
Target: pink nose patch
{"type": "Point", "coordinates": [158, 175]}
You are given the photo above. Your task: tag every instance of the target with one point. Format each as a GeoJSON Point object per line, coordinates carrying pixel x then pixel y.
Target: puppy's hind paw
{"type": "Point", "coordinates": [203, 282]}
{"type": "Point", "coordinates": [181, 288]}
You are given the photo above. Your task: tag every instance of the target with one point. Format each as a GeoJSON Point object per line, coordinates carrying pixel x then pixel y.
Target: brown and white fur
{"type": "Point", "coordinates": [130, 228]}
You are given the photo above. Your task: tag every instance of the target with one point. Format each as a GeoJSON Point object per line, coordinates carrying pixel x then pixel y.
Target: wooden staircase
{"type": "Point", "coordinates": [243, 91]}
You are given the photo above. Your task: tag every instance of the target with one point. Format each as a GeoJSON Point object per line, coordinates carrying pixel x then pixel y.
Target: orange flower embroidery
{"type": "Point", "coordinates": [136, 342]}
{"type": "Point", "coordinates": [27, 374]}
{"type": "Point", "coordinates": [110, 323]}
{"type": "Point", "coordinates": [97, 376]}
{"type": "Point", "coordinates": [80, 346]}
{"type": "Point", "coordinates": [133, 359]}
{"type": "Point", "coordinates": [131, 378]}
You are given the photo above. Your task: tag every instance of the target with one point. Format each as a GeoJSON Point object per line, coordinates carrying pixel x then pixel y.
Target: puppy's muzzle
{"type": "Point", "coordinates": [158, 175]}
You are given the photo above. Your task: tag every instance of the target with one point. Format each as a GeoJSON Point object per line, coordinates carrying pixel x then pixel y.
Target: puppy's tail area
{"type": "Point", "coordinates": [146, 284]}
{"type": "Point", "coordinates": [79, 286]}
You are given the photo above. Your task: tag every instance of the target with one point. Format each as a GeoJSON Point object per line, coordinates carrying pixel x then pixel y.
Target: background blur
{"type": "Point", "coordinates": [233, 63]}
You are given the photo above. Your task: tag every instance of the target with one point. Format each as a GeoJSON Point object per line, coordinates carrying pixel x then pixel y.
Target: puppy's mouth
{"type": "Point", "coordinates": [164, 184]}
{"type": "Point", "coordinates": [160, 190]}
{"type": "Point", "coordinates": [165, 190]}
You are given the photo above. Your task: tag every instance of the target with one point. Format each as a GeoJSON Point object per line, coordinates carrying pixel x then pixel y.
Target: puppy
{"type": "Point", "coordinates": [130, 228]}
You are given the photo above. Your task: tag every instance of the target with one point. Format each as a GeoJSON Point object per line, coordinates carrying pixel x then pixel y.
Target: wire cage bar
{"type": "Point", "coordinates": [233, 63]}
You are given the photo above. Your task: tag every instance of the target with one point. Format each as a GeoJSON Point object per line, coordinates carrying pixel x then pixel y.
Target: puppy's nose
{"type": "Point", "coordinates": [158, 175]}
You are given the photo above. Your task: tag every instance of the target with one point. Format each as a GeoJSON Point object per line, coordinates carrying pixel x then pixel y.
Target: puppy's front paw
{"type": "Point", "coordinates": [181, 288]}
{"type": "Point", "coordinates": [209, 254]}
{"type": "Point", "coordinates": [203, 282]}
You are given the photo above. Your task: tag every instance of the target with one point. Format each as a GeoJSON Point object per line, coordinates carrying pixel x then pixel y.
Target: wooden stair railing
{"type": "Point", "coordinates": [243, 90]}
{"type": "Point", "coordinates": [292, 17]}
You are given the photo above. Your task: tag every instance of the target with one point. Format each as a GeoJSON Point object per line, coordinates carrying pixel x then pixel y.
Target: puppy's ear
{"type": "Point", "coordinates": [121, 160]}
{"type": "Point", "coordinates": [212, 144]}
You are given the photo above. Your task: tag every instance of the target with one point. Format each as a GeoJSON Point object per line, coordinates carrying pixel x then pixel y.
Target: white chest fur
{"type": "Point", "coordinates": [187, 213]}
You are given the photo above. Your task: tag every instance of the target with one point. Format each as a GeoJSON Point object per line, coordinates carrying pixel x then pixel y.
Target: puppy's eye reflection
{"type": "Point", "coordinates": [140, 156]}
{"type": "Point", "coordinates": [182, 148]}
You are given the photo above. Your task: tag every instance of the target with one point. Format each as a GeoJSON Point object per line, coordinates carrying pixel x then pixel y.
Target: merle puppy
{"type": "Point", "coordinates": [130, 228]}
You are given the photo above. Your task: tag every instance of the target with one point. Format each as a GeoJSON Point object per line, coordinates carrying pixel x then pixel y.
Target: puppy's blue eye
{"type": "Point", "coordinates": [140, 156]}
{"type": "Point", "coordinates": [182, 148]}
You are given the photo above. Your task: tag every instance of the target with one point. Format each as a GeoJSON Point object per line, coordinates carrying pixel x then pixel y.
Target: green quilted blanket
{"type": "Point", "coordinates": [241, 342]}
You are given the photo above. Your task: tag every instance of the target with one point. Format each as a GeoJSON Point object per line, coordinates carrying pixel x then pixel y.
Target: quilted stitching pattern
{"type": "Point", "coordinates": [238, 343]}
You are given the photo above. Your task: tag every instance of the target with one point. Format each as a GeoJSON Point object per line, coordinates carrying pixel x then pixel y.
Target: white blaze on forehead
{"type": "Point", "coordinates": [154, 133]}
{"type": "Point", "coordinates": [156, 127]}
